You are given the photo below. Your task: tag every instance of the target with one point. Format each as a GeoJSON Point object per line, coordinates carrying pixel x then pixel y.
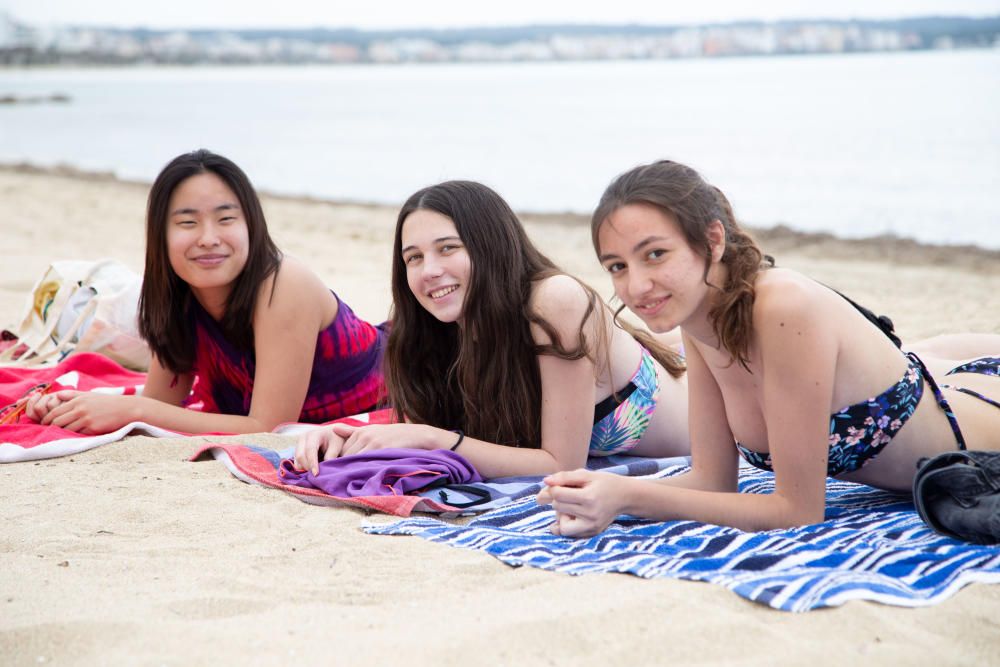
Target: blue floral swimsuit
{"type": "Point", "coordinates": [859, 432]}
{"type": "Point", "coordinates": [622, 418]}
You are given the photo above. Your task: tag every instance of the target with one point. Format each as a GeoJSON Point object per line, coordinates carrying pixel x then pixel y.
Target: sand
{"type": "Point", "coordinates": [129, 554]}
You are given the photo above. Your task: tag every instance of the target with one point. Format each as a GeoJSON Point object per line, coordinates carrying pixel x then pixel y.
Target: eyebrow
{"type": "Point", "coordinates": [437, 240]}
{"type": "Point", "coordinates": [220, 207]}
{"type": "Point", "coordinates": [636, 248]}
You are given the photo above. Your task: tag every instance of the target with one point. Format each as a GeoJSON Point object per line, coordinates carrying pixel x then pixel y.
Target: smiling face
{"type": "Point", "coordinates": [438, 267]}
{"type": "Point", "coordinates": [655, 272]}
{"type": "Point", "coordinates": [207, 238]}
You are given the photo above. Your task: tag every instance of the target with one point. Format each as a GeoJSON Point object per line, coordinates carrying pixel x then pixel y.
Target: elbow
{"type": "Point", "coordinates": [254, 425]}
{"type": "Point", "coordinates": [794, 515]}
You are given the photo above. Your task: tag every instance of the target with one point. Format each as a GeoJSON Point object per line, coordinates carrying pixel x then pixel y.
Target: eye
{"type": "Point", "coordinates": [185, 223]}
{"type": "Point", "coordinates": [615, 267]}
{"type": "Point", "coordinates": [228, 219]}
{"type": "Point", "coordinates": [412, 259]}
{"type": "Point", "coordinates": [656, 253]}
{"type": "Point", "coordinates": [449, 247]}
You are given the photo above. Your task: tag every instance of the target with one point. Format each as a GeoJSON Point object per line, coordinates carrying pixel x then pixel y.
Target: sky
{"type": "Point", "coordinates": [395, 14]}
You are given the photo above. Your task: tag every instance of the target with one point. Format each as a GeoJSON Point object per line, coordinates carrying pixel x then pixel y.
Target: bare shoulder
{"type": "Point", "coordinates": [792, 313]}
{"type": "Point", "coordinates": [295, 290]}
{"type": "Point", "coordinates": [559, 296]}
{"type": "Point", "coordinates": [785, 296]}
{"type": "Point", "coordinates": [563, 302]}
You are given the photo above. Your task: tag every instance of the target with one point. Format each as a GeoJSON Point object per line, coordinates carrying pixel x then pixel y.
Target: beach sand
{"type": "Point", "coordinates": [128, 554]}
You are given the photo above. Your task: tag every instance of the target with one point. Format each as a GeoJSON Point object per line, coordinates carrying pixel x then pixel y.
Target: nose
{"type": "Point", "coordinates": [432, 267]}
{"type": "Point", "coordinates": [639, 282]}
{"type": "Point", "coordinates": [209, 236]}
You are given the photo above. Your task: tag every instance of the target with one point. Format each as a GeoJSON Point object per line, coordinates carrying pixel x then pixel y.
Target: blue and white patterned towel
{"type": "Point", "coordinates": [872, 546]}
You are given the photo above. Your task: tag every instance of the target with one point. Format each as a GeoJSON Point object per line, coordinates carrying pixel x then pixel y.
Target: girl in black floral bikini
{"type": "Point", "coordinates": [772, 356]}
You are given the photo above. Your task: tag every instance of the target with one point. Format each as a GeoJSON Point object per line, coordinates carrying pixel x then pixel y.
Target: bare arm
{"type": "Point", "coordinates": [567, 407]}
{"type": "Point", "coordinates": [285, 330]}
{"type": "Point", "coordinates": [798, 363]}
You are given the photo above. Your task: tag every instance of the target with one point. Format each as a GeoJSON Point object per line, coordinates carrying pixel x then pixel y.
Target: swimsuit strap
{"type": "Point", "coordinates": [941, 400]}
{"type": "Point", "coordinates": [976, 394]}
{"type": "Point", "coordinates": [608, 405]}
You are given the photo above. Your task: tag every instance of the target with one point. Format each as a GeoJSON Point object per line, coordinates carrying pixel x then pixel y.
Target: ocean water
{"type": "Point", "coordinates": [856, 145]}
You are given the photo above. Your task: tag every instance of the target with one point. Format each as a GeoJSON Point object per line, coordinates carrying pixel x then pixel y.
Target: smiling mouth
{"type": "Point", "coordinates": [442, 292]}
{"type": "Point", "coordinates": [650, 306]}
{"type": "Point", "coordinates": [209, 260]}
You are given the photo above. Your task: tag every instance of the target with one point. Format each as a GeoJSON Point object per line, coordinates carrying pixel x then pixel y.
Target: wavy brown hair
{"type": "Point", "coordinates": [481, 377]}
{"type": "Point", "coordinates": [165, 299]}
{"type": "Point", "coordinates": [681, 192]}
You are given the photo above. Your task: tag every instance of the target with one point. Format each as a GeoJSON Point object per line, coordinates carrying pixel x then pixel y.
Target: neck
{"type": "Point", "coordinates": [212, 300]}
{"type": "Point", "coordinates": [699, 326]}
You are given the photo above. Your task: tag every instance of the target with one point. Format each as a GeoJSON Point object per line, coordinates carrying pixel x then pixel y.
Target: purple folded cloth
{"type": "Point", "coordinates": [383, 472]}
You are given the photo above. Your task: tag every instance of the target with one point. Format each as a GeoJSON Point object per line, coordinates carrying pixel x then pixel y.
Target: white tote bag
{"type": "Point", "coordinates": [81, 306]}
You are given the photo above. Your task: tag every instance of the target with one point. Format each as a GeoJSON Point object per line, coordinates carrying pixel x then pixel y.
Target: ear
{"type": "Point", "coordinates": [717, 240]}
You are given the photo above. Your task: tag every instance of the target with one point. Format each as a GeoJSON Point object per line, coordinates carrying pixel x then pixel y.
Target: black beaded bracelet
{"type": "Point", "coordinates": [461, 437]}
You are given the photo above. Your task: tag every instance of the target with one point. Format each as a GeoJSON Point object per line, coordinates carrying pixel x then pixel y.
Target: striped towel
{"type": "Point", "coordinates": [871, 546]}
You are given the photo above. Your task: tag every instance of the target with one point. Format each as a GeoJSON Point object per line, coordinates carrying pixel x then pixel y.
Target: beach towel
{"type": "Point", "coordinates": [21, 440]}
{"type": "Point", "coordinates": [871, 546]}
{"type": "Point", "coordinates": [260, 465]}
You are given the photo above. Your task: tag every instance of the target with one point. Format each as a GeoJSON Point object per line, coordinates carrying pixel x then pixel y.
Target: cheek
{"type": "Point", "coordinates": [176, 247]}
{"type": "Point", "coordinates": [620, 283]}
{"type": "Point", "coordinates": [240, 240]}
{"type": "Point", "coordinates": [412, 281]}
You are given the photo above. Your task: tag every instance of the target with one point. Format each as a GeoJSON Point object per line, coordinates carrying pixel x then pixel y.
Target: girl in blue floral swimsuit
{"type": "Point", "coordinates": [772, 358]}
{"type": "Point", "coordinates": [497, 354]}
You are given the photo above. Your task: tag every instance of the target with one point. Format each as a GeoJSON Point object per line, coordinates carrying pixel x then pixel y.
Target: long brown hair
{"type": "Point", "coordinates": [681, 192]}
{"type": "Point", "coordinates": [165, 299]}
{"type": "Point", "coordinates": [482, 377]}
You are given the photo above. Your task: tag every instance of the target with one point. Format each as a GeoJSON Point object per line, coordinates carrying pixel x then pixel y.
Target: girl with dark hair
{"type": "Point", "coordinates": [496, 353]}
{"type": "Point", "coordinates": [772, 358]}
{"type": "Point", "coordinates": [257, 335]}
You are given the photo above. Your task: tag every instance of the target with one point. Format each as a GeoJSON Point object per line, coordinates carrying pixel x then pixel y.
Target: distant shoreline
{"type": "Point", "coordinates": [773, 239]}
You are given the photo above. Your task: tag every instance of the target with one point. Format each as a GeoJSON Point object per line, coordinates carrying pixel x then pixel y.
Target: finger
{"type": "Point", "coordinates": [544, 496]}
{"type": "Point", "coordinates": [355, 444]}
{"type": "Point", "coordinates": [66, 394]}
{"type": "Point", "coordinates": [576, 511]}
{"type": "Point", "coordinates": [57, 412]}
{"type": "Point", "coordinates": [301, 458]}
{"type": "Point", "coordinates": [568, 494]}
{"type": "Point", "coordinates": [71, 421]}
{"type": "Point", "coordinates": [32, 408]}
{"type": "Point", "coordinates": [344, 430]}
{"type": "Point", "coordinates": [333, 446]}
{"type": "Point", "coordinates": [574, 526]}
{"type": "Point", "coordinates": [569, 478]}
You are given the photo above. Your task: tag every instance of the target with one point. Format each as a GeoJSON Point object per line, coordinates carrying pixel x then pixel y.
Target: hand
{"type": "Point", "coordinates": [317, 445]}
{"type": "Point", "coordinates": [38, 404]}
{"type": "Point", "coordinates": [585, 502]}
{"type": "Point", "coordinates": [81, 411]}
{"type": "Point", "coordinates": [359, 439]}
{"type": "Point", "coordinates": [344, 440]}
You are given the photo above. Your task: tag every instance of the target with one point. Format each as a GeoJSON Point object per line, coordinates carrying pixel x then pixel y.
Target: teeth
{"type": "Point", "coordinates": [437, 294]}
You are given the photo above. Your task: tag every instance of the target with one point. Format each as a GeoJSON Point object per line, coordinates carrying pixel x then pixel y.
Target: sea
{"type": "Point", "coordinates": [906, 144]}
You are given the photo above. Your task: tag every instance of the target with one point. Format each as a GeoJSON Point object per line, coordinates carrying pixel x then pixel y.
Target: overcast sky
{"type": "Point", "coordinates": [379, 14]}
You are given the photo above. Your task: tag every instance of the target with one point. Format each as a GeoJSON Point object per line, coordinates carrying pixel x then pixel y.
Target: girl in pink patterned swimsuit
{"type": "Point", "coordinates": [258, 336]}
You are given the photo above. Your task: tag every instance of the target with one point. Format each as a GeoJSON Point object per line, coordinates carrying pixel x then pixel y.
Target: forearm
{"type": "Point", "coordinates": [493, 460]}
{"type": "Point", "coordinates": [177, 418]}
{"type": "Point", "coordinates": [745, 511]}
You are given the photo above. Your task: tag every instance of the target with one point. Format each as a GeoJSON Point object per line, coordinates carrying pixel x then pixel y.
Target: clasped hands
{"type": "Point", "coordinates": [81, 411]}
